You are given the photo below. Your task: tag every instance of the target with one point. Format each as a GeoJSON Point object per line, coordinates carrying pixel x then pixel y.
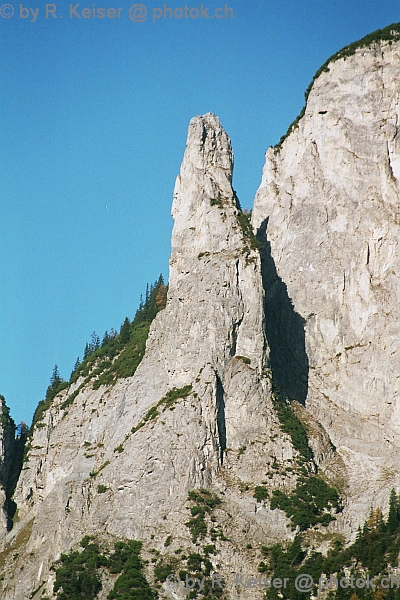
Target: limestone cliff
{"type": "Point", "coordinates": [310, 318]}
{"type": "Point", "coordinates": [329, 205]}
{"type": "Point", "coordinates": [210, 336]}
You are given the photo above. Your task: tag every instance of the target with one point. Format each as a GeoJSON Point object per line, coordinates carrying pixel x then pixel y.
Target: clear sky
{"type": "Point", "coordinates": [94, 115]}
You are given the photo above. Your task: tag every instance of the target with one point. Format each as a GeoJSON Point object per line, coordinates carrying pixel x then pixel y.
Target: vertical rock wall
{"type": "Point", "coordinates": [329, 206]}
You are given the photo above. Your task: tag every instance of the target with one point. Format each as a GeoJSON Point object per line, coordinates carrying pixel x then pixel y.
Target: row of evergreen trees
{"type": "Point", "coordinates": [375, 553]}
{"type": "Point", "coordinates": [155, 300]}
{"type": "Point", "coordinates": [113, 344]}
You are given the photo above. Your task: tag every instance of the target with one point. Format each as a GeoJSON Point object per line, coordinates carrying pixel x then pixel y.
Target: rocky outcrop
{"type": "Point", "coordinates": [210, 336]}
{"type": "Point", "coordinates": [328, 208]}
{"type": "Point", "coordinates": [10, 467]}
{"type": "Point", "coordinates": [312, 318]}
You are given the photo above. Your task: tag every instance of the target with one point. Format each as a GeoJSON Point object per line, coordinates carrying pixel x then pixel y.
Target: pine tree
{"type": "Point", "coordinates": [394, 513]}
{"type": "Point", "coordinates": [55, 378]}
{"type": "Point", "coordinates": [77, 363]}
{"type": "Point", "coordinates": [125, 331]}
{"type": "Point", "coordinates": [95, 344]}
{"type": "Point", "coordinates": [294, 553]}
{"type": "Point", "coordinates": [161, 294]}
{"type": "Point", "coordinates": [375, 519]}
{"type": "Point", "coordinates": [6, 422]}
{"type": "Point", "coordinates": [56, 382]}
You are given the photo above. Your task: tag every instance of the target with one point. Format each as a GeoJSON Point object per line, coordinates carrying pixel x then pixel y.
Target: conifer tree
{"type": "Point", "coordinates": [295, 553]}
{"type": "Point", "coordinates": [125, 331]}
{"type": "Point", "coordinates": [394, 513]}
{"type": "Point", "coordinates": [77, 363]}
{"type": "Point", "coordinates": [56, 382]}
{"type": "Point", "coordinates": [55, 378]}
{"type": "Point", "coordinates": [95, 344]}
{"type": "Point", "coordinates": [375, 518]}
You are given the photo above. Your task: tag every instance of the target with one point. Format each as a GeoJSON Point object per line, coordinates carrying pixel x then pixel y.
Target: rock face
{"type": "Point", "coordinates": [9, 466]}
{"type": "Point", "coordinates": [329, 206]}
{"type": "Point", "coordinates": [211, 335]}
{"type": "Point", "coordinates": [314, 314]}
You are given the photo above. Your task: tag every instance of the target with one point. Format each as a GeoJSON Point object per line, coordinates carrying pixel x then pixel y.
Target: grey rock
{"type": "Point", "coordinates": [315, 314]}
{"type": "Point", "coordinates": [329, 202]}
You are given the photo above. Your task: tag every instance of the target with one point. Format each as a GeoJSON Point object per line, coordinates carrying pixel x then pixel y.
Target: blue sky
{"type": "Point", "coordinates": [94, 115]}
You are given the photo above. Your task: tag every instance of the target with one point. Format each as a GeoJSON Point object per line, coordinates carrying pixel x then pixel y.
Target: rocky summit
{"type": "Point", "coordinates": [265, 408]}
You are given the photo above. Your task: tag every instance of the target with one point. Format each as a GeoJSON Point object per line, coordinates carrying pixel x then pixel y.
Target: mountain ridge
{"type": "Point", "coordinates": [264, 372]}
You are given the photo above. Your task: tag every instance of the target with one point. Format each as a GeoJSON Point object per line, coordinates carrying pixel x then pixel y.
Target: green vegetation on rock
{"type": "Point", "coordinates": [204, 503]}
{"type": "Point", "coordinates": [57, 384]}
{"type": "Point", "coordinates": [291, 425]}
{"type": "Point", "coordinates": [374, 554]}
{"type": "Point", "coordinates": [166, 401]}
{"type": "Point", "coordinates": [6, 422]}
{"type": "Point", "coordinates": [260, 493]}
{"type": "Point", "coordinates": [250, 240]}
{"type": "Point", "coordinates": [391, 33]}
{"type": "Point", "coordinates": [78, 574]}
{"type": "Point", "coordinates": [198, 566]}
{"type": "Point", "coordinates": [312, 502]}
{"type": "Point", "coordinates": [245, 359]}
{"type": "Point", "coordinates": [119, 355]}
{"type": "Point", "coordinates": [131, 584]}
{"type": "Point", "coordinates": [195, 566]}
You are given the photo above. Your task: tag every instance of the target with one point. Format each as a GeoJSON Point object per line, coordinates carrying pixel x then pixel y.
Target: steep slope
{"type": "Point", "coordinates": [253, 342]}
{"type": "Point", "coordinates": [328, 208]}
{"type": "Point", "coordinates": [10, 456]}
{"type": "Point", "coordinates": [197, 400]}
